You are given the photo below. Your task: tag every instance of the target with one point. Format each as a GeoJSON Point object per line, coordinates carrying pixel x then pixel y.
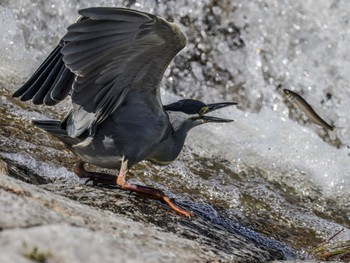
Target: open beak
{"type": "Point", "coordinates": [207, 119]}
{"type": "Point", "coordinates": [212, 107]}
{"type": "Point", "coordinates": [216, 106]}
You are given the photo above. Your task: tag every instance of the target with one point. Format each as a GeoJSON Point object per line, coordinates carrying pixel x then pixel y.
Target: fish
{"type": "Point", "coordinates": [305, 107]}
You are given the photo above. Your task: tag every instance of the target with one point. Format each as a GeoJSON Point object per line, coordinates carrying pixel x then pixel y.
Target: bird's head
{"type": "Point", "coordinates": [186, 108]}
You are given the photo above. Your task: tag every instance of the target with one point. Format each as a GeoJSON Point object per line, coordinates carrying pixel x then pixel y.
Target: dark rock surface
{"type": "Point", "coordinates": [74, 232]}
{"type": "Point", "coordinates": [97, 223]}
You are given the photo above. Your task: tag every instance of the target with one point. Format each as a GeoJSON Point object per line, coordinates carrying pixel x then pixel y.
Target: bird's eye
{"type": "Point", "coordinates": [203, 111]}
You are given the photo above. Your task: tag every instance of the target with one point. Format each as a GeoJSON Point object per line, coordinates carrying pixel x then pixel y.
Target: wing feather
{"type": "Point", "coordinates": [105, 55]}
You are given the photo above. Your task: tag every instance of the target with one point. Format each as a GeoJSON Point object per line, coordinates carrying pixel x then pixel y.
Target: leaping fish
{"type": "Point", "coordinates": [300, 103]}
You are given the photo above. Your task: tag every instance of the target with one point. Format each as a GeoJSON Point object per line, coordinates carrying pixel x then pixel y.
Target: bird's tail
{"type": "Point", "coordinates": [56, 130]}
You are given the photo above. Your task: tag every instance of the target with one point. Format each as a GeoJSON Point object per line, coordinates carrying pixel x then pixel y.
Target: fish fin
{"type": "Point", "coordinates": [333, 133]}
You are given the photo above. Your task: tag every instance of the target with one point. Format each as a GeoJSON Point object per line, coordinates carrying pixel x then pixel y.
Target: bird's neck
{"type": "Point", "coordinates": [169, 149]}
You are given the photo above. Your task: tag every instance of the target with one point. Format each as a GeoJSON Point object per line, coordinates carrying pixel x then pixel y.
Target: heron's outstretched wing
{"type": "Point", "coordinates": [50, 83]}
{"type": "Point", "coordinates": [112, 51]}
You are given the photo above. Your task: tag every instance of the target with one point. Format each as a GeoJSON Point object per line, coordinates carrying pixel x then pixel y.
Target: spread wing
{"type": "Point", "coordinates": [51, 82]}
{"type": "Point", "coordinates": [112, 51]}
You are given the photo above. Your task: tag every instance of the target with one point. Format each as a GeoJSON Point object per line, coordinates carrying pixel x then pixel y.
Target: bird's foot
{"type": "Point", "coordinates": [154, 193]}
{"type": "Point", "coordinates": [96, 178]}
{"type": "Point", "coordinates": [108, 179]}
{"type": "Point", "coordinates": [146, 191]}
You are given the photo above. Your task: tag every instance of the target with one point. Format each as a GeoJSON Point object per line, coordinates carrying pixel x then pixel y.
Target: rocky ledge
{"type": "Point", "coordinates": [65, 222]}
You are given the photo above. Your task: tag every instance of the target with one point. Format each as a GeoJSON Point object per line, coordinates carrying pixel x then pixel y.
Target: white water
{"type": "Point", "coordinates": [301, 45]}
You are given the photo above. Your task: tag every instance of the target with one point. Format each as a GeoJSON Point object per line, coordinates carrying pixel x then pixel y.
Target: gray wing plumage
{"type": "Point", "coordinates": [112, 51]}
{"type": "Point", "coordinates": [50, 83]}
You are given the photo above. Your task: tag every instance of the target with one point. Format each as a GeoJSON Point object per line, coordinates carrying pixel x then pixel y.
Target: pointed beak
{"type": "Point", "coordinates": [207, 119]}
{"type": "Point", "coordinates": [212, 107]}
{"type": "Point", "coordinates": [216, 106]}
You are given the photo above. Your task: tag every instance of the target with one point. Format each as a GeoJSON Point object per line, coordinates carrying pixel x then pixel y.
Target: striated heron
{"type": "Point", "coordinates": [111, 62]}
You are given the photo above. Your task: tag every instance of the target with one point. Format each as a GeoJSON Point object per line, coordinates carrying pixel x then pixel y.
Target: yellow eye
{"type": "Point", "coordinates": [203, 111]}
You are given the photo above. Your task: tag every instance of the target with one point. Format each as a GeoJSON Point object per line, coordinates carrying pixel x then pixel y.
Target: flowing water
{"type": "Point", "coordinates": [272, 170]}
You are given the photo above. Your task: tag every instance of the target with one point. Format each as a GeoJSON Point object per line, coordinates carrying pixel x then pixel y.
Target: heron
{"type": "Point", "coordinates": [110, 63]}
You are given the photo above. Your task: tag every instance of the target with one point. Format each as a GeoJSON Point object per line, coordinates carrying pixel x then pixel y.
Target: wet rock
{"type": "Point", "coordinates": [3, 168]}
{"type": "Point", "coordinates": [73, 232]}
{"type": "Point", "coordinates": [66, 243]}
{"type": "Point", "coordinates": [68, 231]}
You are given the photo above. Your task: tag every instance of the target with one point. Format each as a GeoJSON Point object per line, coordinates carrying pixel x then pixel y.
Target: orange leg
{"type": "Point", "coordinates": [96, 178]}
{"type": "Point", "coordinates": [145, 190]}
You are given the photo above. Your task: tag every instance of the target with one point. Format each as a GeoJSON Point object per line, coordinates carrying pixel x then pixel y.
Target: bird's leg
{"type": "Point", "coordinates": [96, 178]}
{"type": "Point", "coordinates": [145, 190]}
